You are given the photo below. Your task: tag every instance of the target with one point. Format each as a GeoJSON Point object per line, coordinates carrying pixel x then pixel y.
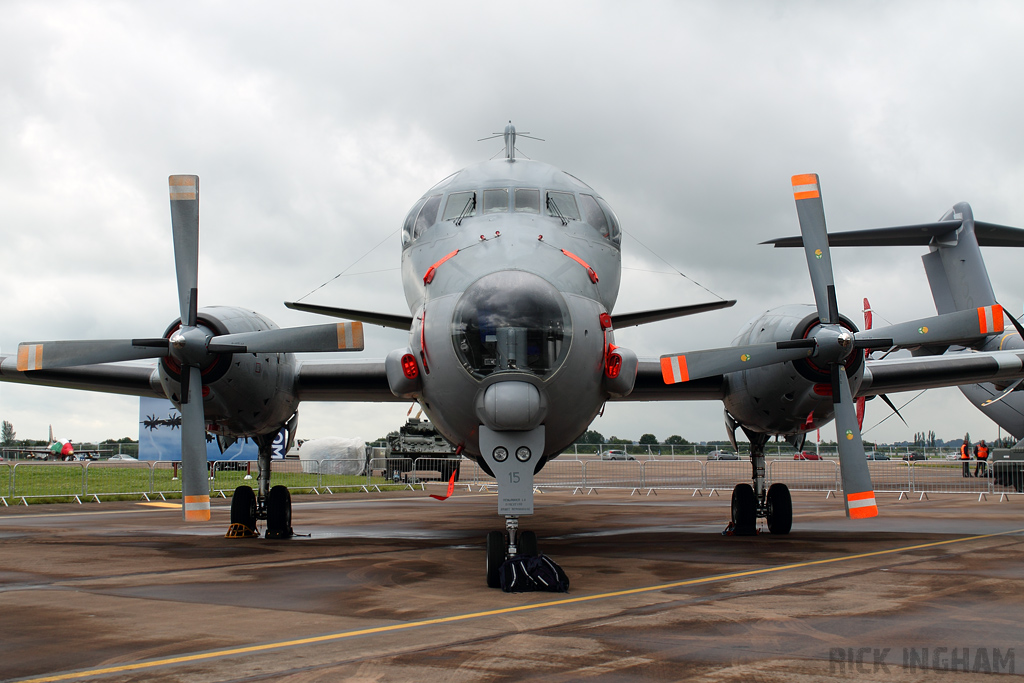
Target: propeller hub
{"type": "Point", "coordinates": [835, 343]}
{"type": "Point", "coordinates": [188, 346]}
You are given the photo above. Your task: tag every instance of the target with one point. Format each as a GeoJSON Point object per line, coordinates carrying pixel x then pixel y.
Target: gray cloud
{"type": "Point", "coordinates": [315, 127]}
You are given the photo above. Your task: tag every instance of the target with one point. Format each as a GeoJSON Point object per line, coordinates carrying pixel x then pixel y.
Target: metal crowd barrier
{"type": "Point", "coordinates": [612, 474]}
{"type": "Point", "coordinates": [725, 474]}
{"type": "Point", "coordinates": [674, 474]}
{"type": "Point", "coordinates": [805, 475]}
{"type": "Point", "coordinates": [566, 474]}
{"type": "Point", "coordinates": [6, 481]}
{"type": "Point", "coordinates": [166, 477]}
{"type": "Point", "coordinates": [889, 475]}
{"type": "Point", "coordinates": [118, 478]}
{"type": "Point", "coordinates": [95, 480]}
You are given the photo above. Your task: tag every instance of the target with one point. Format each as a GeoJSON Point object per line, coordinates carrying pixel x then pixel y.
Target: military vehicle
{"type": "Point", "coordinates": [420, 439]}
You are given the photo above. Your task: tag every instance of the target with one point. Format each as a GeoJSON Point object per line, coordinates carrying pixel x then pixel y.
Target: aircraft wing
{"type": "Point", "coordinates": [109, 378]}
{"type": "Point", "coordinates": [361, 380]}
{"type": "Point", "coordinates": [650, 386]}
{"type": "Point", "coordinates": [928, 372]}
{"type": "Point", "coordinates": [358, 380]}
{"type": "Point", "coordinates": [880, 376]}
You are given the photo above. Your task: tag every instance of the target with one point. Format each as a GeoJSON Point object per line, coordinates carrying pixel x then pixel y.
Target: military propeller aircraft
{"type": "Point", "coordinates": [959, 282]}
{"type": "Point", "coordinates": [511, 270]}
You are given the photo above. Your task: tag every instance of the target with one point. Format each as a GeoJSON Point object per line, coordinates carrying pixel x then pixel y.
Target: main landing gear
{"type": "Point", "coordinates": [274, 505]}
{"type": "Point", "coordinates": [503, 545]}
{"type": "Point", "coordinates": [752, 502]}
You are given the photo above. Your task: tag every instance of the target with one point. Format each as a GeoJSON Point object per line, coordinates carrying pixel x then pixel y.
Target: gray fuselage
{"type": "Point", "coordinates": [512, 301]}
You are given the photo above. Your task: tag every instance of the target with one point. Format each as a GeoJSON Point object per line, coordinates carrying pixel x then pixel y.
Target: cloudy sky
{"type": "Point", "coordinates": [314, 127]}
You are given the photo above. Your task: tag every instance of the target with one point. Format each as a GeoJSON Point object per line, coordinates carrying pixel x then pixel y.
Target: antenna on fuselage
{"type": "Point", "coordinates": [510, 140]}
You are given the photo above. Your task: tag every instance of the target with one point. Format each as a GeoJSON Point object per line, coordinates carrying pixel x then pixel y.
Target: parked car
{"type": "Point", "coordinates": [806, 455]}
{"type": "Point", "coordinates": [123, 458]}
{"type": "Point", "coordinates": [878, 456]}
{"type": "Point", "coordinates": [722, 455]}
{"type": "Point", "coordinates": [914, 456]}
{"type": "Point", "coordinates": [616, 455]}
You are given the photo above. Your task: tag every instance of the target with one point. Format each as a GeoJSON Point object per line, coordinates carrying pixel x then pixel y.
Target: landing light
{"type": "Point", "coordinates": [409, 367]}
{"type": "Point", "coordinates": [523, 454]}
{"type": "Point", "coordinates": [500, 454]}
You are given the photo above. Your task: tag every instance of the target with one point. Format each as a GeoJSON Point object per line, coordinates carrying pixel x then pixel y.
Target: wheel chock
{"type": "Point", "coordinates": [237, 530]}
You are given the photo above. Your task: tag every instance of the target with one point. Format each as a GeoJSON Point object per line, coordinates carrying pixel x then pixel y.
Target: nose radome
{"type": "Point", "coordinates": [511, 406]}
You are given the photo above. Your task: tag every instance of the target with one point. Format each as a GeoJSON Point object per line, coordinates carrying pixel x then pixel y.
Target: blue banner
{"type": "Point", "coordinates": [160, 436]}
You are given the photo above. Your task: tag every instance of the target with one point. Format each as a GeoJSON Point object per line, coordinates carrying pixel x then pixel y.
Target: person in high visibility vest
{"type": "Point", "coordinates": [981, 453]}
{"type": "Point", "coordinates": [965, 457]}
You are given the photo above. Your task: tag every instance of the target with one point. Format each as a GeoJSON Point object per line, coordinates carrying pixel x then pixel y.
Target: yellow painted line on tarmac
{"type": "Point", "coordinates": [159, 504]}
{"type": "Point", "coordinates": [331, 637]}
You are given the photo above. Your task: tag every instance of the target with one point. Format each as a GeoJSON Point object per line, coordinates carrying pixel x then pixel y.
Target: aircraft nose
{"type": "Point", "coordinates": [511, 322]}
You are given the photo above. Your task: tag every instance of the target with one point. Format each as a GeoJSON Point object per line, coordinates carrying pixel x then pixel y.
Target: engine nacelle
{"type": "Point", "coordinates": [792, 397]}
{"type": "Point", "coordinates": [244, 394]}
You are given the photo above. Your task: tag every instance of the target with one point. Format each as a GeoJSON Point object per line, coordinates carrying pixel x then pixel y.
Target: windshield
{"type": "Point", "coordinates": [562, 205]}
{"type": "Point", "coordinates": [460, 205]}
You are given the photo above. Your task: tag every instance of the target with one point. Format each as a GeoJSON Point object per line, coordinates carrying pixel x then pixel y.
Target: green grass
{"type": "Point", "coordinates": [61, 482]}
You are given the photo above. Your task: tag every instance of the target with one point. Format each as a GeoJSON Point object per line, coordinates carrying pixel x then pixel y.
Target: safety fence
{"type": "Point", "coordinates": [81, 481]}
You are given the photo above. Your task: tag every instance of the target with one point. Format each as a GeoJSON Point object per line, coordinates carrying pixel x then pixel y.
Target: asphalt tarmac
{"type": "Point", "coordinates": [390, 587]}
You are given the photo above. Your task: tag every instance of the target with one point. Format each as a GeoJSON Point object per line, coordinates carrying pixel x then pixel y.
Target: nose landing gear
{"type": "Point", "coordinates": [503, 545]}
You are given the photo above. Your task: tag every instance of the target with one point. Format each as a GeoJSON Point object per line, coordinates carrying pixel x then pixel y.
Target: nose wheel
{"type": "Point", "coordinates": [501, 545]}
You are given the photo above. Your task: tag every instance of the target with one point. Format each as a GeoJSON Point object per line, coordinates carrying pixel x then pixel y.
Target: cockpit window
{"type": "Point", "coordinates": [495, 201]}
{"type": "Point", "coordinates": [614, 232]}
{"type": "Point", "coordinates": [527, 201]}
{"type": "Point", "coordinates": [427, 216]}
{"type": "Point", "coordinates": [460, 205]}
{"type": "Point", "coordinates": [593, 214]}
{"type": "Point", "coordinates": [562, 205]}
{"type": "Point", "coordinates": [409, 221]}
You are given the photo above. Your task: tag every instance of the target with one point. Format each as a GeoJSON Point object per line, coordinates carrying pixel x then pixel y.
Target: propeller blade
{"type": "Point", "coordinates": [63, 354]}
{"type": "Point", "coordinates": [1009, 390]}
{"type": "Point", "coordinates": [889, 403]}
{"type": "Point", "coordinates": [961, 327]}
{"type": "Point", "coordinates": [858, 494]}
{"type": "Point", "coordinates": [811, 213]}
{"type": "Point", "coordinates": [311, 338]}
{"type": "Point", "coordinates": [186, 377]}
{"type": "Point", "coordinates": [195, 482]}
{"type": "Point", "coordinates": [684, 367]}
{"type": "Point", "coordinates": [1016, 323]}
{"type": "Point", "coordinates": [184, 190]}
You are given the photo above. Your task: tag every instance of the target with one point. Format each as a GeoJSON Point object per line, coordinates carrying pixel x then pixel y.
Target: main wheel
{"type": "Point", "coordinates": [279, 513]}
{"type": "Point", "coordinates": [528, 544]}
{"type": "Point", "coordinates": [243, 507]}
{"type": "Point", "coordinates": [780, 509]}
{"type": "Point", "coordinates": [744, 510]}
{"type": "Point", "coordinates": [495, 558]}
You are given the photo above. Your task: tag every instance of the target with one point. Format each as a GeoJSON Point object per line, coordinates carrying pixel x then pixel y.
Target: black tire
{"type": "Point", "coordinates": [744, 510]}
{"type": "Point", "coordinates": [528, 544]}
{"type": "Point", "coordinates": [495, 558]}
{"type": "Point", "coordinates": [279, 513]}
{"type": "Point", "coordinates": [243, 507]}
{"type": "Point", "coordinates": [780, 509]}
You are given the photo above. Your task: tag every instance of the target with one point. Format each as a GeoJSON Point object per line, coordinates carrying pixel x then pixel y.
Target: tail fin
{"type": "Point", "coordinates": [956, 271]}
